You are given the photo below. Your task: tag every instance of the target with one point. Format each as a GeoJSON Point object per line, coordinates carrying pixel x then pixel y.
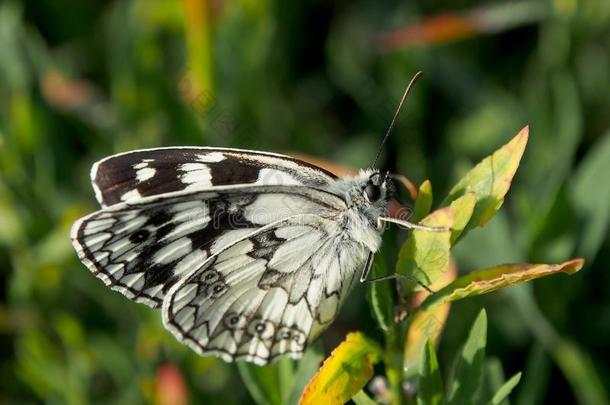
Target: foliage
{"type": "Point", "coordinates": [467, 381]}
{"type": "Point", "coordinates": [425, 256]}
{"type": "Point", "coordinates": [82, 80]}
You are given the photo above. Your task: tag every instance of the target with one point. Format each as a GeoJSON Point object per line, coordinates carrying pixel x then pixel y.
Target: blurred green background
{"type": "Point", "coordinates": [82, 80]}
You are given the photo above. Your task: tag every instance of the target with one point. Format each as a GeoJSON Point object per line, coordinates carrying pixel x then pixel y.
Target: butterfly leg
{"type": "Point", "coordinates": [367, 269]}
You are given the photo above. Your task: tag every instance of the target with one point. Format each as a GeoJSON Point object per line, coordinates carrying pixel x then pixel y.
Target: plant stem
{"type": "Point", "coordinates": [393, 361]}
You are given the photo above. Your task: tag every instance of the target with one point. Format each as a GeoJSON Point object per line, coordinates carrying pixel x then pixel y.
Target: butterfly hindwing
{"type": "Point", "coordinates": [133, 175]}
{"type": "Point", "coordinates": [268, 294]}
{"type": "Point", "coordinates": [144, 247]}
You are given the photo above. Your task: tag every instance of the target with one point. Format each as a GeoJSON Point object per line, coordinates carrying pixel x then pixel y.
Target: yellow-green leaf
{"type": "Point", "coordinates": [361, 398]}
{"type": "Point", "coordinates": [198, 38]}
{"type": "Point", "coordinates": [423, 202]}
{"type": "Point", "coordinates": [344, 372]}
{"type": "Point", "coordinates": [426, 325]}
{"type": "Point", "coordinates": [491, 179]}
{"type": "Point", "coordinates": [425, 255]}
{"type": "Point", "coordinates": [463, 208]}
{"type": "Point", "coordinates": [494, 278]}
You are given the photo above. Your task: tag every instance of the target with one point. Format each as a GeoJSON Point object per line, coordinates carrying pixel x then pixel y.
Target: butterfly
{"type": "Point", "coordinates": [249, 255]}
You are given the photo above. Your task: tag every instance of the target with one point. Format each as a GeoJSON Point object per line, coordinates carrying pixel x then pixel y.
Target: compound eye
{"type": "Point", "coordinates": [373, 192]}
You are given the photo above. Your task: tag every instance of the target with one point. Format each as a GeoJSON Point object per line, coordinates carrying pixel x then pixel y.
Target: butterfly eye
{"type": "Point", "coordinates": [373, 192]}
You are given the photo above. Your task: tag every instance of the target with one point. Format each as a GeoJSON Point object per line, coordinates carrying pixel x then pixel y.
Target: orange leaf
{"type": "Point", "coordinates": [171, 389]}
{"type": "Point", "coordinates": [494, 278]}
{"type": "Point", "coordinates": [435, 29]}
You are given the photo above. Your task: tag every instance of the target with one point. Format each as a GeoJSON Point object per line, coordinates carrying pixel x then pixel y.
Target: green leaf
{"type": "Point", "coordinates": [423, 202]}
{"type": "Point", "coordinates": [493, 379]}
{"type": "Point", "coordinates": [491, 279]}
{"type": "Point", "coordinates": [262, 382]}
{"type": "Point", "coordinates": [425, 255]}
{"type": "Point", "coordinates": [506, 389]}
{"type": "Point", "coordinates": [381, 299]}
{"type": "Point", "coordinates": [590, 196]}
{"type": "Point", "coordinates": [430, 382]}
{"type": "Point", "coordinates": [466, 383]}
{"type": "Point", "coordinates": [344, 372]}
{"type": "Point", "coordinates": [491, 179]}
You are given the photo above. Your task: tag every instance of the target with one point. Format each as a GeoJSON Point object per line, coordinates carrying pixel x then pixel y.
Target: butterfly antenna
{"type": "Point", "coordinates": [393, 123]}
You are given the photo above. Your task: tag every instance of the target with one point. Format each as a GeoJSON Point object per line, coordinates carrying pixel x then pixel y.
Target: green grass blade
{"type": "Point", "coordinates": [506, 389]}
{"type": "Point", "coordinates": [590, 196]}
{"type": "Point", "coordinates": [430, 382]}
{"type": "Point", "coordinates": [261, 382]}
{"type": "Point", "coordinates": [466, 384]}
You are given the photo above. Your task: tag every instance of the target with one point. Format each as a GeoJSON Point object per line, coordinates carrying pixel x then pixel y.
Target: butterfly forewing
{"type": "Point", "coordinates": [144, 247]}
{"type": "Point", "coordinates": [267, 294]}
{"type": "Point", "coordinates": [133, 175]}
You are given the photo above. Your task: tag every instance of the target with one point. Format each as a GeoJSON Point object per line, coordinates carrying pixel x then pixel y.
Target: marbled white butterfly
{"type": "Point", "coordinates": [248, 254]}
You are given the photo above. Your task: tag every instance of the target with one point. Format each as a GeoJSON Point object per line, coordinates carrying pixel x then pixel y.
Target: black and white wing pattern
{"type": "Point", "coordinates": [142, 248]}
{"type": "Point", "coordinates": [268, 294]}
{"type": "Point", "coordinates": [142, 173]}
{"type": "Point", "coordinates": [249, 254]}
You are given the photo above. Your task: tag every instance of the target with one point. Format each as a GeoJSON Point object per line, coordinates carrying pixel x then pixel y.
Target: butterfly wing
{"type": "Point", "coordinates": [142, 248]}
{"type": "Point", "coordinates": [267, 294]}
{"type": "Point", "coordinates": [133, 175]}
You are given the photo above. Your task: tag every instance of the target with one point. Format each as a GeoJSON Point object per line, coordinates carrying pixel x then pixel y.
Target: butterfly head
{"type": "Point", "coordinates": [378, 187]}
